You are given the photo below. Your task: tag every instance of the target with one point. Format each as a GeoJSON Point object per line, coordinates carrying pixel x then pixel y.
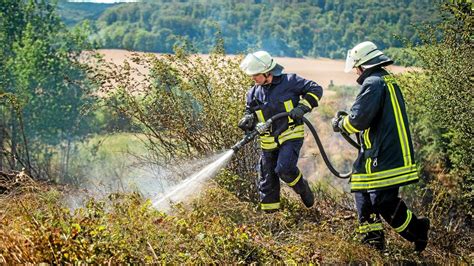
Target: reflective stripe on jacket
{"type": "Point", "coordinates": [282, 95]}
{"type": "Point", "coordinates": [386, 158]}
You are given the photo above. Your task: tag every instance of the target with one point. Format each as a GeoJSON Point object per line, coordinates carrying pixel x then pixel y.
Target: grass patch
{"type": "Point", "coordinates": [217, 227]}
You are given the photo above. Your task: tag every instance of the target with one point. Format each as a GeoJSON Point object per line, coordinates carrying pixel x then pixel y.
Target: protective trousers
{"type": "Point", "coordinates": [281, 163]}
{"type": "Point", "coordinates": [386, 203]}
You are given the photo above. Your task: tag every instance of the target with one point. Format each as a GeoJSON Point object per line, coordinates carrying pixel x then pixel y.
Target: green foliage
{"type": "Point", "coordinates": [40, 67]}
{"type": "Point", "coordinates": [73, 13]}
{"type": "Point", "coordinates": [104, 161]}
{"type": "Point", "coordinates": [440, 102]}
{"type": "Point", "coordinates": [402, 56]}
{"type": "Point", "coordinates": [324, 28]}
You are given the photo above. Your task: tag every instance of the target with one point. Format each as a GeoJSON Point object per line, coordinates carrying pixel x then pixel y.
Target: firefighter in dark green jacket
{"type": "Point", "coordinates": [386, 160]}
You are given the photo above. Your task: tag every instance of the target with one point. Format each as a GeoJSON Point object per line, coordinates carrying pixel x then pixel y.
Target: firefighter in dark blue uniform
{"type": "Point", "coordinates": [275, 92]}
{"type": "Point", "coordinates": [385, 161]}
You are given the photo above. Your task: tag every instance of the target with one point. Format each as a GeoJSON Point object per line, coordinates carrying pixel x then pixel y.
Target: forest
{"type": "Point", "coordinates": [72, 123]}
{"type": "Point", "coordinates": [284, 28]}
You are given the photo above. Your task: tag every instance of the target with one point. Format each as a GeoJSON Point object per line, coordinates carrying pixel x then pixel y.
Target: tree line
{"type": "Point", "coordinates": [320, 28]}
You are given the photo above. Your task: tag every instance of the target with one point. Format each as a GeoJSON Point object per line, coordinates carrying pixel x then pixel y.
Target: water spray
{"type": "Point", "coordinates": [192, 184]}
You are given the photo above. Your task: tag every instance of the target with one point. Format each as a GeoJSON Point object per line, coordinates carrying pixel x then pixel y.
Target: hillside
{"type": "Point", "coordinates": [74, 13]}
{"type": "Point", "coordinates": [285, 28]}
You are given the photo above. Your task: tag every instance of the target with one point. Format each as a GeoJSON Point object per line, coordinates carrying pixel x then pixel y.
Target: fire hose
{"type": "Point", "coordinates": [264, 126]}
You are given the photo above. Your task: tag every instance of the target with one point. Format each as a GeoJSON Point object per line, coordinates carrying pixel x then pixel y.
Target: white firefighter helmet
{"type": "Point", "coordinates": [360, 54]}
{"type": "Point", "coordinates": [257, 63]}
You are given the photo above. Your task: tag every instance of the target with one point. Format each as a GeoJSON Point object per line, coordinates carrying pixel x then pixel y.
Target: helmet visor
{"type": "Point", "coordinates": [350, 62]}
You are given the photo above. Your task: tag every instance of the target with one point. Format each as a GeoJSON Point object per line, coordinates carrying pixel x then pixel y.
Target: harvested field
{"type": "Point", "coordinates": [321, 70]}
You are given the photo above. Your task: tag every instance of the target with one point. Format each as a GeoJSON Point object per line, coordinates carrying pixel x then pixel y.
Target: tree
{"type": "Point", "coordinates": [44, 81]}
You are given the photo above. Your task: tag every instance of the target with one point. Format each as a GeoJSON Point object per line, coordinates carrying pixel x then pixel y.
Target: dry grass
{"type": "Point", "coordinates": [217, 227]}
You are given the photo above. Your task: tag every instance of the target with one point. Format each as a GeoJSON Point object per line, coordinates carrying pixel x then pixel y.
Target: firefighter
{"type": "Point", "coordinates": [275, 92]}
{"type": "Point", "coordinates": [385, 161]}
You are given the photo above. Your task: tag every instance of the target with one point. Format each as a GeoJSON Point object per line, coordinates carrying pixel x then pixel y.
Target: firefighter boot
{"type": "Point", "coordinates": [303, 189]}
{"type": "Point", "coordinates": [375, 239]}
{"type": "Point", "coordinates": [415, 230]}
{"type": "Point", "coordinates": [422, 239]}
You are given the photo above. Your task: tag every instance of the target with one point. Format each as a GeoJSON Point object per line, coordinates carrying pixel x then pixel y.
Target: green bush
{"type": "Point", "coordinates": [440, 101]}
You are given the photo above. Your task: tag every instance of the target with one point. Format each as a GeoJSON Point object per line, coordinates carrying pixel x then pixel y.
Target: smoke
{"type": "Point", "coordinates": [164, 185]}
{"type": "Point", "coordinates": [192, 185]}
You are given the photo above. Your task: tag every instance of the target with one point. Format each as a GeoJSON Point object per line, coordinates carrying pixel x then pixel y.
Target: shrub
{"type": "Point", "coordinates": [439, 100]}
{"type": "Point", "coordinates": [217, 228]}
{"type": "Point", "coordinates": [187, 106]}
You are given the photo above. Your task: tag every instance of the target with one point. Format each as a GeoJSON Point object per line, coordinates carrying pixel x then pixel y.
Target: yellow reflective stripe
{"type": "Point", "coordinates": [400, 124]}
{"type": "Point", "coordinates": [267, 142]}
{"type": "Point", "coordinates": [270, 206]}
{"type": "Point", "coordinates": [368, 145]}
{"type": "Point", "coordinates": [368, 162]}
{"type": "Point", "coordinates": [384, 174]}
{"type": "Point", "coordinates": [389, 78]}
{"type": "Point", "coordinates": [296, 180]}
{"type": "Point", "coordinates": [270, 146]}
{"type": "Point", "coordinates": [402, 133]}
{"type": "Point", "coordinates": [296, 132]}
{"type": "Point", "coordinates": [384, 183]}
{"type": "Point", "coordinates": [347, 125]}
{"type": "Point", "coordinates": [313, 95]}
{"type": "Point", "coordinates": [305, 102]}
{"type": "Point", "coordinates": [370, 227]}
{"type": "Point", "coordinates": [405, 224]}
{"type": "Point", "coordinates": [288, 108]}
{"type": "Point", "coordinates": [260, 116]}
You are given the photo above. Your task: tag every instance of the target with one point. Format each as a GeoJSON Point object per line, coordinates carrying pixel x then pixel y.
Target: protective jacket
{"type": "Point", "coordinates": [281, 95]}
{"type": "Point", "coordinates": [386, 157]}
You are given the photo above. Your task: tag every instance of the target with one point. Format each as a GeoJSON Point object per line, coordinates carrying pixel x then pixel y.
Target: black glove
{"type": "Point", "coordinates": [298, 112]}
{"type": "Point", "coordinates": [247, 122]}
{"type": "Point", "coordinates": [336, 121]}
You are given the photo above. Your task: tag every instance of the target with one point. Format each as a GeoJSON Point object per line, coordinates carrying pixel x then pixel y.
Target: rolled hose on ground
{"type": "Point", "coordinates": [254, 133]}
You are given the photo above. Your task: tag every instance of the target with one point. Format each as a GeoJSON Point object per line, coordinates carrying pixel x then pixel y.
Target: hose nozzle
{"type": "Point", "coordinates": [263, 126]}
{"type": "Point", "coordinates": [260, 128]}
{"type": "Point", "coordinates": [247, 138]}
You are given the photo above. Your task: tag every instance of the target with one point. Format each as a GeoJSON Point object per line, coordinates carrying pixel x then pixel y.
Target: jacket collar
{"type": "Point", "coordinates": [276, 80]}
{"type": "Point", "coordinates": [369, 72]}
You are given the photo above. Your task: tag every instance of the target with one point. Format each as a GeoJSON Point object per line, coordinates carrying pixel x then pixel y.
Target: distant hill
{"type": "Point", "coordinates": [72, 13]}
{"type": "Point", "coordinates": [319, 28]}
